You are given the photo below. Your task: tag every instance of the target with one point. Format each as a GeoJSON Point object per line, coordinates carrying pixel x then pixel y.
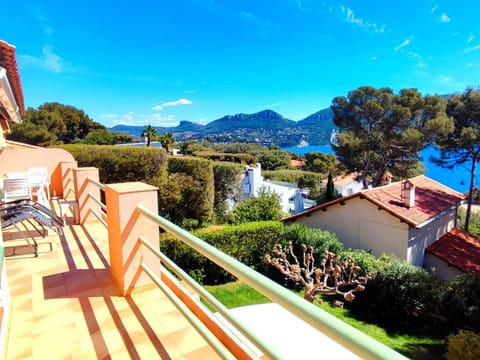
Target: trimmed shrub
{"type": "Point", "coordinates": [398, 296]}
{"type": "Point", "coordinates": [368, 263]}
{"type": "Point", "coordinates": [122, 163]}
{"type": "Point", "coordinates": [262, 207]}
{"type": "Point", "coordinates": [189, 190]}
{"type": "Point", "coordinates": [321, 240]}
{"type": "Point", "coordinates": [247, 243]}
{"type": "Point", "coordinates": [465, 345]}
{"type": "Point", "coordinates": [228, 188]}
{"type": "Point", "coordinates": [239, 158]}
{"type": "Point", "coordinates": [461, 302]}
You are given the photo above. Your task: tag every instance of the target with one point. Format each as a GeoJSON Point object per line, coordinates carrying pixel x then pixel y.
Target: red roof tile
{"type": "Point", "coordinates": [297, 163]}
{"type": "Point", "coordinates": [431, 199]}
{"type": "Point", "coordinates": [459, 249]}
{"type": "Point", "coordinates": [8, 61]}
{"type": "Point", "coordinates": [345, 179]}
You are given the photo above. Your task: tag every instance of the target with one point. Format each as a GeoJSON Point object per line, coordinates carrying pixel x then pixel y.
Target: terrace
{"type": "Point", "coordinates": [101, 289]}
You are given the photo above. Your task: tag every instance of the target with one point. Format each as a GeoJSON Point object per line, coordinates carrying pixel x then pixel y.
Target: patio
{"type": "Point", "coordinates": [64, 304]}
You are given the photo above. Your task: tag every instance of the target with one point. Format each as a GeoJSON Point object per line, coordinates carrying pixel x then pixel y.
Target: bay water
{"type": "Point", "coordinates": [458, 178]}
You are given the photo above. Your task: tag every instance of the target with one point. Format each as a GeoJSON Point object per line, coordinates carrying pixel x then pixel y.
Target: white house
{"type": "Point", "coordinates": [253, 181]}
{"type": "Point", "coordinates": [347, 184]}
{"type": "Point", "coordinates": [401, 218]}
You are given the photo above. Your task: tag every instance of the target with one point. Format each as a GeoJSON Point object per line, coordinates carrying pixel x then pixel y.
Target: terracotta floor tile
{"type": "Point", "coordinates": [205, 352]}
{"type": "Point", "coordinates": [187, 340]}
{"type": "Point", "coordinates": [57, 342]}
{"type": "Point", "coordinates": [65, 306]}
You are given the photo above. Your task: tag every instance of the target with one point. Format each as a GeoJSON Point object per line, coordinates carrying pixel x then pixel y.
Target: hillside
{"type": "Point", "coordinates": [265, 127]}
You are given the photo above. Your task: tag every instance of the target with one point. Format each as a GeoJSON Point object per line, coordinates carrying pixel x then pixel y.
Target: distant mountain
{"type": "Point", "coordinates": [266, 127]}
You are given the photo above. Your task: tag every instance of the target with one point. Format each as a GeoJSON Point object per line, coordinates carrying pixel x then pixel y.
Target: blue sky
{"type": "Point", "coordinates": [159, 62]}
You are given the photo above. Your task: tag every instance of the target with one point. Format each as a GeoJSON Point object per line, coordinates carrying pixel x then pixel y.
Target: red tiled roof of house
{"type": "Point", "coordinates": [345, 179]}
{"type": "Point", "coordinates": [297, 163]}
{"type": "Point", "coordinates": [8, 61]}
{"type": "Point", "coordinates": [431, 199]}
{"type": "Point", "coordinates": [458, 249]}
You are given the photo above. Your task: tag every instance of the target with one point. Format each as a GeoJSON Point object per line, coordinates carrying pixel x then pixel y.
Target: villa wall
{"type": "Point", "coordinates": [421, 238]}
{"type": "Point", "coordinates": [361, 225]}
{"type": "Point", "coordinates": [440, 268]}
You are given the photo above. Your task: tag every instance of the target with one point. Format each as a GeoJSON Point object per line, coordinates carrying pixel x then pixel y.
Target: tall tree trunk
{"type": "Point", "coordinates": [366, 168]}
{"type": "Point", "coordinates": [381, 171]}
{"type": "Point", "coordinates": [470, 192]}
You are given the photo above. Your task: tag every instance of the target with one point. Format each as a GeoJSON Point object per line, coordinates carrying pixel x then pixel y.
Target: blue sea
{"type": "Point", "coordinates": [458, 179]}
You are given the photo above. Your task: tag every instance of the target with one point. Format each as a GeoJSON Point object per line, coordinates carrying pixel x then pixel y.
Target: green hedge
{"type": "Point", "coordinates": [247, 243]}
{"type": "Point", "coordinates": [320, 240]}
{"type": "Point", "coordinates": [227, 179]}
{"type": "Point", "coordinates": [121, 163]}
{"type": "Point", "coordinates": [239, 158]}
{"type": "Point", "coordinates": [188, 193]}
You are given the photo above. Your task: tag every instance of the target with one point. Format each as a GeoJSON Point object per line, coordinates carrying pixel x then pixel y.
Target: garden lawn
{"type": "Point", "coordinates": [237, 294]}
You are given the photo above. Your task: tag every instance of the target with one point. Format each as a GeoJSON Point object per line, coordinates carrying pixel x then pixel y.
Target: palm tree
{"type": "Point", "coordinates": [166, 139]}
{"type": "Point", "coordinates": [150, 133]}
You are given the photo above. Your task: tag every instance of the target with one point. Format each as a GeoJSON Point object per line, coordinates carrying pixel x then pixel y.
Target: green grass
{"type": "Point", "coordinates": [237, 294]}
{"type": "Point", "coordinates": [413, 346]}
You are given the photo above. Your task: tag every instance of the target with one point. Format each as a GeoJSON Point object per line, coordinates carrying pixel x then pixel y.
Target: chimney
{"type": "Point", "coordinates": [387, 178]}
{"type": "Point", "coordinates": [408, 194]}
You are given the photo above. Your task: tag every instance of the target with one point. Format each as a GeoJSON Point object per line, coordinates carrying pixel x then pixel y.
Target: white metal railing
{"type": "Point", "coordinates": [342, 333]}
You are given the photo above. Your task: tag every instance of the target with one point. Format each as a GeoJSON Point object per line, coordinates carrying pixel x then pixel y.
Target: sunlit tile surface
{"type": "Point", "coordinates": [64, 305]}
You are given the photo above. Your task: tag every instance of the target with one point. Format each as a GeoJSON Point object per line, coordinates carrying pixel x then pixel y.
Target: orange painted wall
{"type": "Point", "coordinates": [20, 159]}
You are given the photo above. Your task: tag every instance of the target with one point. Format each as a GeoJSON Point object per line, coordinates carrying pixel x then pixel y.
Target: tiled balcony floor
{"type": "Point", "coordinates": [64, 305]}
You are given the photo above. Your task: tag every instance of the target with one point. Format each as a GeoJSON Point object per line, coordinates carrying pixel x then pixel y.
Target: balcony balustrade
{"type": "Point", "coordinates": [116, 287]}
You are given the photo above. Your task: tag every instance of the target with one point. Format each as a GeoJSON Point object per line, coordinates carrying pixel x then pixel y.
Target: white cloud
{"type": "Point", "coordinates": [50, 61]}
{"type": "Point", "coordinates": [444, 18]}
{"type": "Point", "coordinates": [445, 79]}
{"type": "Point", "coordinates": [473, 48]}
{"type": "Point", "coordinates": [417, 57]}
{"type": "Point", "coordinates": [44, 22]}
{"type": "Point", "coordinates": [470, 38]}
{"type": "Point", "coordinates": [405, 43]}
{"type": "Point", "coordinates": [434, 8]}
{"type": "Point", "coordinates": [351, 18]}
{"type": "Point", "coordinates": [373, 58]}
{"type": "Point", "coordinates": [53, 62]}
{"type": "Point", "coordinates": [178, 102]}
{"type": "Point", "coordinates": [299, 4]}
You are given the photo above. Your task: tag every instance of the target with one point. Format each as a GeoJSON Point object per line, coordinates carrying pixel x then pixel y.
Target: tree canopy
{"type": "Point", "coordinates": [150, 133]}
{"type": "Point", "coordinates": [54, 123]}
{"type": "Point", "coordinates": [381, 131]}
{"type": "Point", "coordinates": [166, 139]}
{"type": "Point", "coordinates": [461, 146]}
